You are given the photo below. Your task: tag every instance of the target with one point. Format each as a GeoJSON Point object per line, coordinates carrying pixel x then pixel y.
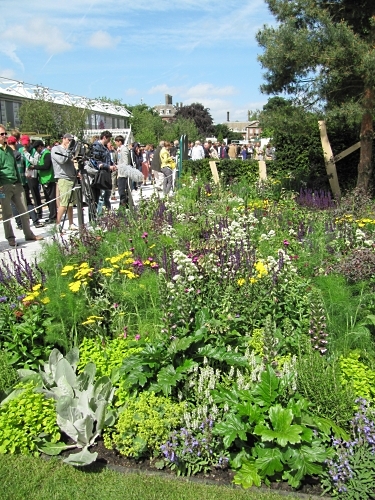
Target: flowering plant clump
{"type": "Point", "coordinates": [351, 470]}
{"type": "Point", "coordinates": [191, 451]}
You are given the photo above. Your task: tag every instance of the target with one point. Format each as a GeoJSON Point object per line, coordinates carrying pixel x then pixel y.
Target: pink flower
{"type": "Point", "coordinates": [286, 243]}
{"type": "Point", "coordinates": [137, 337]}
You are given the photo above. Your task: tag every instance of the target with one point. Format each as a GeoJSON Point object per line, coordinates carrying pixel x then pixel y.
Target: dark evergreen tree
{"type": "Point", "coordinates": [323, 53]}
{"type": "Point", "coordinates": [201, 117]}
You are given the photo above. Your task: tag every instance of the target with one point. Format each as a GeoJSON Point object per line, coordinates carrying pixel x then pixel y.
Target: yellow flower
{"type": "Point", "coordinates": [146, 263]}
{"type": "Point", "coordinates": [88, 322]}
{"type": "Point", "coordinates": [241, 281]}
{"type": "Point", "coordinates": [261, 269]}
{"type": "Point", "coordinates": [129, 274]}
{"type": "Point", "coordinates": [46, 300]}
{"type": "Point", "coordinates": [66, 269]}
{"type": "Point", "coordinates": [36, 287]}
{"type": "Point", "coordinates": [152, 246]}
{"type": "Point", "coordinates": [106, 270]}
{"type": "Point", "coordinates": [83, 271]}
{"type": "Point", "coordinates": [84, 265]}
{"type": "Point", "coordinates": [253, 280]}
{"type": "Point", "coordinates": [75, 286]}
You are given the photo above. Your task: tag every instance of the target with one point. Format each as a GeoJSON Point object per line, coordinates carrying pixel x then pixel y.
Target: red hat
{"type": "Point", "coordinates": [11, 140]}
{"type": "Point", "coordinates": [25, 139]}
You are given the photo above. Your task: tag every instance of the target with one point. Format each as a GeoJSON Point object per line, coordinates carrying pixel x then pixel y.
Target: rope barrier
{"type": "Point", "coordinates": [40, 206]}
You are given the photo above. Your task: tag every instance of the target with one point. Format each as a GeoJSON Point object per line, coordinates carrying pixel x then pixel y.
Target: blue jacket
{"type": "Point", "coordinates": [102, 154]}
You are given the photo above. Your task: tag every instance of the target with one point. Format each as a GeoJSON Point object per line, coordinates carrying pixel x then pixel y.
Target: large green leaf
{"type": "Point", "coordinates": [230, 428]}
{"type": "Point", "coordinates": [254, 413]}
{"type": "Point", "coordinates": [304, 461]}
{"type": "Point", "coordinates": [82, 458]}
{"type": "Point", "coordinates": [51, 448]}
{"type": "Point", "coordinates": [283, 431]}
{"type": "Point", "coordinates": [248, 475]}
{"type": "Point", "coordinates": [269, 461]}
{"type": "Point", "coordinates": [168, 378]}
{"type": "Point", "coordinates": [266, 392]}
{"type": "Point", "coordinates": [221, 354]}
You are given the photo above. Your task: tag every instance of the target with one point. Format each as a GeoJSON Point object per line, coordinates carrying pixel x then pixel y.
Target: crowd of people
{"type": "Point", "coordinates": [27, 168]}
{"type": "Point", "coordinates": [233, 151]}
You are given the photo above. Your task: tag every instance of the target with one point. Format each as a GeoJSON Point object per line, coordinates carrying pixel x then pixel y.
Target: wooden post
{"type": "Point", "coordinates": [329, 161]}
{"type": "Point", "coordinates": [262, 170]}
{"type": "Point", "coordinates": [214, 172]}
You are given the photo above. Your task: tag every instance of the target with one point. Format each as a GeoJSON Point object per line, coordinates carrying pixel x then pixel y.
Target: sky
{"type": "Point", "coordinates": [137, 51]}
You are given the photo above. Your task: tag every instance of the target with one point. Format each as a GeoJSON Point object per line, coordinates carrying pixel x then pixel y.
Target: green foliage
{"type": "Point", "coordinates": [290, 442]}
{"type": "Point", "coordinates": [42, 116]}
{"type": "Point", "coordinates": [181, 126]}
{"type": "Point", "coordinates": [23, 335]}
{"type": "Point", "coordinates": [229, 170]}
{"type": "Point", "coordinates": [319, 381]}
{"type": "Point", "coordinates": [147, 125]}
{"type": "Point", "coordinates": [360, 376]}
{"type": "Point", "coordinates": [24, 418]}
{"type": "Point", "coordinates": [144, 425]}
{"type": "Point", "coordinates": [8, 374]}
{"type": "Point", "coordinates": [105, 354]}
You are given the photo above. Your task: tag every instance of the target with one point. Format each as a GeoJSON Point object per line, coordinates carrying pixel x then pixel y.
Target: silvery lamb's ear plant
{"type": "Point", "coordinates": [81, 403]}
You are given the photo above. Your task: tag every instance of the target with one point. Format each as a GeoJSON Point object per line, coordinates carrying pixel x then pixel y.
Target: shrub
{"type": "Point", "coordinates": [8, 374]}
{"type": "Point", "coordinates": [24, 418]}
{"type": "Point", "coordinates": [359, 375]}
{"type": "Point", "coordinates": [319, 381]}
{"type": "Point", "coordinates": [359, 265]}
{"type": "Point", "coordinates": [144, 425]}
{"type": "Point", "coordinates": [106, 354]}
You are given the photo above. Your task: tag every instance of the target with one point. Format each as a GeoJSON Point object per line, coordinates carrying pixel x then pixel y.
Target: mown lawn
{"type": "Point", "coordinates": [30, 478]}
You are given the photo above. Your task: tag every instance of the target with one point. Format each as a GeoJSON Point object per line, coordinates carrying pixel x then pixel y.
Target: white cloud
{"type": "Point", "coordinates": [9, 49]}
{"type": "Point", "coordinates": [7, 73]}
{"type": "Point", "coordinates": [131, 92]}
{"type": "Point", "coordinates": [207, 90]}
{"type": "Point", "coordinates": [103, 40]}
{"type": "Point", "coordinates": [38, 32]}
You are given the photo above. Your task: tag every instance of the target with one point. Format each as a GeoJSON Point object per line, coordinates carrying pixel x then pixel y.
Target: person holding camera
{"type": "Point", "coordinates": [65, 173]}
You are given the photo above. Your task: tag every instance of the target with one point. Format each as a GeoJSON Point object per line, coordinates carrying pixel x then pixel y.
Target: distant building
{"type": "Point", "coordinates": [250, 130]}
{"type": "Point", "coordinates": [167, 110]}
{"type": "Point", "coordinates": [101, 115]}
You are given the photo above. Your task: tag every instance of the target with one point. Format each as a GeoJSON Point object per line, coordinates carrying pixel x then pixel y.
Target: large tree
{"type": "Point", "coordinates": [323, 53]}
{"type": "Point", "coordinates": [201, 117]}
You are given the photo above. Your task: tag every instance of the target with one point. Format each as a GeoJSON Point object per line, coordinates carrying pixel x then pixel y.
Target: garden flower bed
{"type": "Point", "coordinates": [221, 330]}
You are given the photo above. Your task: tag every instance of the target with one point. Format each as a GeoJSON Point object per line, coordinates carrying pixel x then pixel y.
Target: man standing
{"type": "Point", "coordinates": [46, 179]}
{"type": "Point", "coordinates": [232, 151]}
{"type": "Point", "coordinates": [12, 143]}
{"type": "Point", "coordinates": [11, 190]}
{"type": "Point", "coordinates": [197, 153]}
{"type": "Point", "coordinates": [103, 156]}
{"type": "Point", "coordinates": [66, 175]}
{"type": "Point", "coordinates": [122, 179]}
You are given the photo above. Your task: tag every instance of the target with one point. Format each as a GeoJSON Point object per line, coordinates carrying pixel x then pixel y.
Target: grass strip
{"type": "Point", "coordinates": [37, 479]}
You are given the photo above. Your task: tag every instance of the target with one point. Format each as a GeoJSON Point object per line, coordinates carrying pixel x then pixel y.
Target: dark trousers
{"type": "Point", "coordinates": [30, 207]}
{"type": "Point", "coordinates": [35, 193]}
{"type": "Point", "coordinates": [49, 191]}
{"type": "Point", "coordinates": [123, 191]}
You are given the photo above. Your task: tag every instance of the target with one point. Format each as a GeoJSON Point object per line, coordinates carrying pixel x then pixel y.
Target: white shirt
{"type": "Point", "coordinates": [197, 153]}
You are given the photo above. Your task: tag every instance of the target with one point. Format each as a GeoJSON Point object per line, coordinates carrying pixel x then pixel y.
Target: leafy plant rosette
{"type": "Point", "coordinates": [82, 404]}
{"type": "Point", "coordinates": [269, 440]}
